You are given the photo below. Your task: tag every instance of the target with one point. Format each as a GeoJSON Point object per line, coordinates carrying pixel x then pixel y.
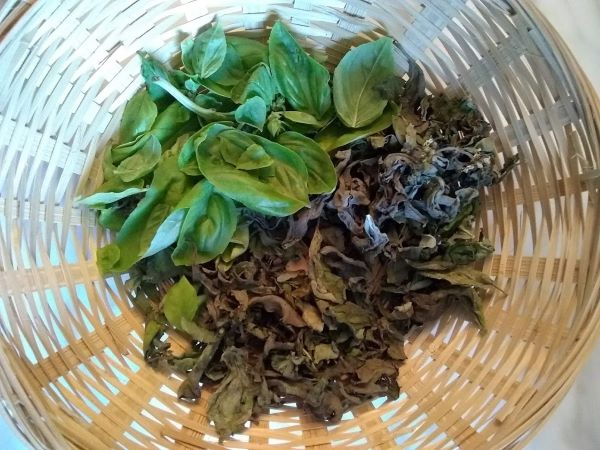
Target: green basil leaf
{"type": "Point", "coordinates": [169, 123]}
{"type": "Point", "coordinates": [306, 119]}
{"type": "Point", "coordinates": [167, 233]}
{"type": "Point", "coordinates": [138, 117]}
{"type": "Point", "coordinates": [208, 227]}
{"type": "Point", "coordinates": [255, 157]}
{"type": "Point", "coordinates": [108, 256]}
{"type": "Point", "coordinates": [181, 302]}
{"type": "Point", "coordinates": [277, 190]}
{"type": "Point", "coordinates": [258, 82]}
{"type": "Point", "coordinates": [355, 79]}
{"type": "Point", "coordinates": [322, 177]}
{"type": "Point", "coordinates": [150, 69]}
{"type": "Point", "coordinates": [136, 234]}
{"type": "Point", "coordinates": [141, 163]}
{"type": "Point", "coordinates": [215, 101]}
{"type": "Point", "coordinates": [238, 245]}
{"type": "Point", "coordinates": [188, 163]}
{"type": "Point", "coordinates": [151, 329]}
{"type": "Point", "coordinates": [122, 151]}
{"type": "Point", "coordinates": [111, 191]}
{"type": "Point", "coordinates": [112, 218]}
{"type": "Point", "coordinates": [250, 51]}
{"type": "Point", "coordinates": [337, 135]}
{"type": "Point", "coordinates": [302, 80]}
{"type": "Point", "coordinates": [207, 52]}
{"type": "Point", "coordinates": [253, 113]}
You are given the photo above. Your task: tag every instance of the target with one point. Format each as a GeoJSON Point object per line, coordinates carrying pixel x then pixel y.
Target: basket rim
{"type": "Point", "coordinates": [18, 415]}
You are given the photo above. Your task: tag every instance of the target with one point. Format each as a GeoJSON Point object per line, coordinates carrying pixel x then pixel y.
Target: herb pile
{"type": "Point", "coordinates": [295, 275]}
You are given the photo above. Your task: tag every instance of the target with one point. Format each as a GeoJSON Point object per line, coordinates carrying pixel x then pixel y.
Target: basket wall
{"type": "Point", "coordinates": [71, 368]}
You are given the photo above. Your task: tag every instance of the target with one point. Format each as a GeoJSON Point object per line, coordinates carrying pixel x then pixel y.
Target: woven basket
{"type": "Point", "coordinates": [72, 373]}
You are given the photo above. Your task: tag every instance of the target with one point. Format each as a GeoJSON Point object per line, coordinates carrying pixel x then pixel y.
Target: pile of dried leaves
{"type": "Point", "coordinates": [314, 308]}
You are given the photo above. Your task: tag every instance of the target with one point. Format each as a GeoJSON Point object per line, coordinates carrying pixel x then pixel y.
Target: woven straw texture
{"type": "Point", "coordinates": [72, 373]}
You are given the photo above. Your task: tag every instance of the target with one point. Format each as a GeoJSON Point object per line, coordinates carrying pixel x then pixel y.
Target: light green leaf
{"type": "Point", "coordinates": [302, 80]}
{"type": "Point", "coordinates": [207, 53]}
{"type": "Point", "coordinates": [321, 171]}
{"type": "Point", "coordinates": [140, 163]}
{"type": "Point", "coordinates": [181, 302]}
{"type": "Point", "coordinates": [253, 113]}
{"type": "Point", "coordinates": [255, 157]}
{"type": "Point", "coordinates": [111, 191]}
{"type": "Point", "coordinates": [355, 79]}
{"type": "Point", "coordinates": [122, 151]}
{"type": "Point", "coordinates": [108, 256]}
{"type": "Point", "coordinates": [337, 135]}
{"type": "Point", "coordinates": [138, 117]}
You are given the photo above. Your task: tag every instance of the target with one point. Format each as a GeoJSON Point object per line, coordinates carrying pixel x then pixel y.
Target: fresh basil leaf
{"type": "Point", "coordinates": [215, 101]}
{"type": "Point", "coordinates": [355, 79]}
{"type": "Point", "coordinates": [208, 227]}
{"type": "Point", "coordinates": [258, 82]}
{"type": "Point", "coordinates": [111, 191]}
{"type": "Point", "coordinates": [140, 163]}
{"type": "Point", "coordinates": [181, 302]}
{"type": "Point", "coordinates": [250, 51]}
{"type": "Point", "coordinates": [253, 113]}
{"type": "Point", "coordinates": [138, 117]}
{"type": "Point", "coordinates": [321, 171]}
{"type": "Point", "coordinates": [136, 234]}
{"type": "Point", "coordinates": [278, 190]}
{"type": "Point", "coordinates": [170, 122]}
{"type": "Point", "coordinates": [306, 119]}
{"type": "Point", "coordinates": [150, 69]}
{"type": "Point", "coordinates": [167, 233]}
{"type": "Point", "coordinates": [187, 161]}
{"type": "Point", "coordinates": [255, 157]}
{"type": "Point", "coordinates": [206, 53]}
{"type": "Point", "coordinates": [236, 247]}
{"type": "Point", "coordinates": [302, 80]}
{"type": "Point", "coordinates": [112, 218]}
{"type": "Point", "coordinates": [122, 151]}
{"type": "Point", "coordinates": [337, 135]}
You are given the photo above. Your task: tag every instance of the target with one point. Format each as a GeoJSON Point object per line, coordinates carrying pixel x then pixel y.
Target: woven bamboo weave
{"type": "Point", "coordinates": [72, 373]}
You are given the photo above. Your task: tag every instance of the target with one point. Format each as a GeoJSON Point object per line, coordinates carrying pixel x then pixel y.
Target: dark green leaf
{"type": "Point", "coordinates": [257, 83]}
{"type": "Point", "coordinates": [140, 163]}
{"type": "Point", "coordinates": [233, 402]}
{"type": "Point", "coordinates": [112, 218]}
{"type": "Point", "coordinates": [187, 158]}
{"type": "Point", "coordinates": [206, 54]}
{"type": "Point", "coordinates": [302, 80]}
{"type": "Point", "coordinates": [278, 190]}
{"type": "Point", "coordinates": [253, 113]}
{"type": "Point", "coordinates": [138, 117]}
{"type": "Point", "coordinates": [361, 70]}
{"type": "Point", "coordinates": [169, 123]}
{"type": "Point", "coordinates": [208, 227]}
{"type": "Point", "coordinates": [321, 172]}
{"type": "Point", "coordinates": [336, 135]}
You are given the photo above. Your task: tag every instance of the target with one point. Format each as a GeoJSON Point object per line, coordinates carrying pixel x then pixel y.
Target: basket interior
{"type": "Point", "coordinates": [73, 341]}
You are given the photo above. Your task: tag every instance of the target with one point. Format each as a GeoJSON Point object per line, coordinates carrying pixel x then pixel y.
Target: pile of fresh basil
{"type": "Point", "coordinates": [240, 125]}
